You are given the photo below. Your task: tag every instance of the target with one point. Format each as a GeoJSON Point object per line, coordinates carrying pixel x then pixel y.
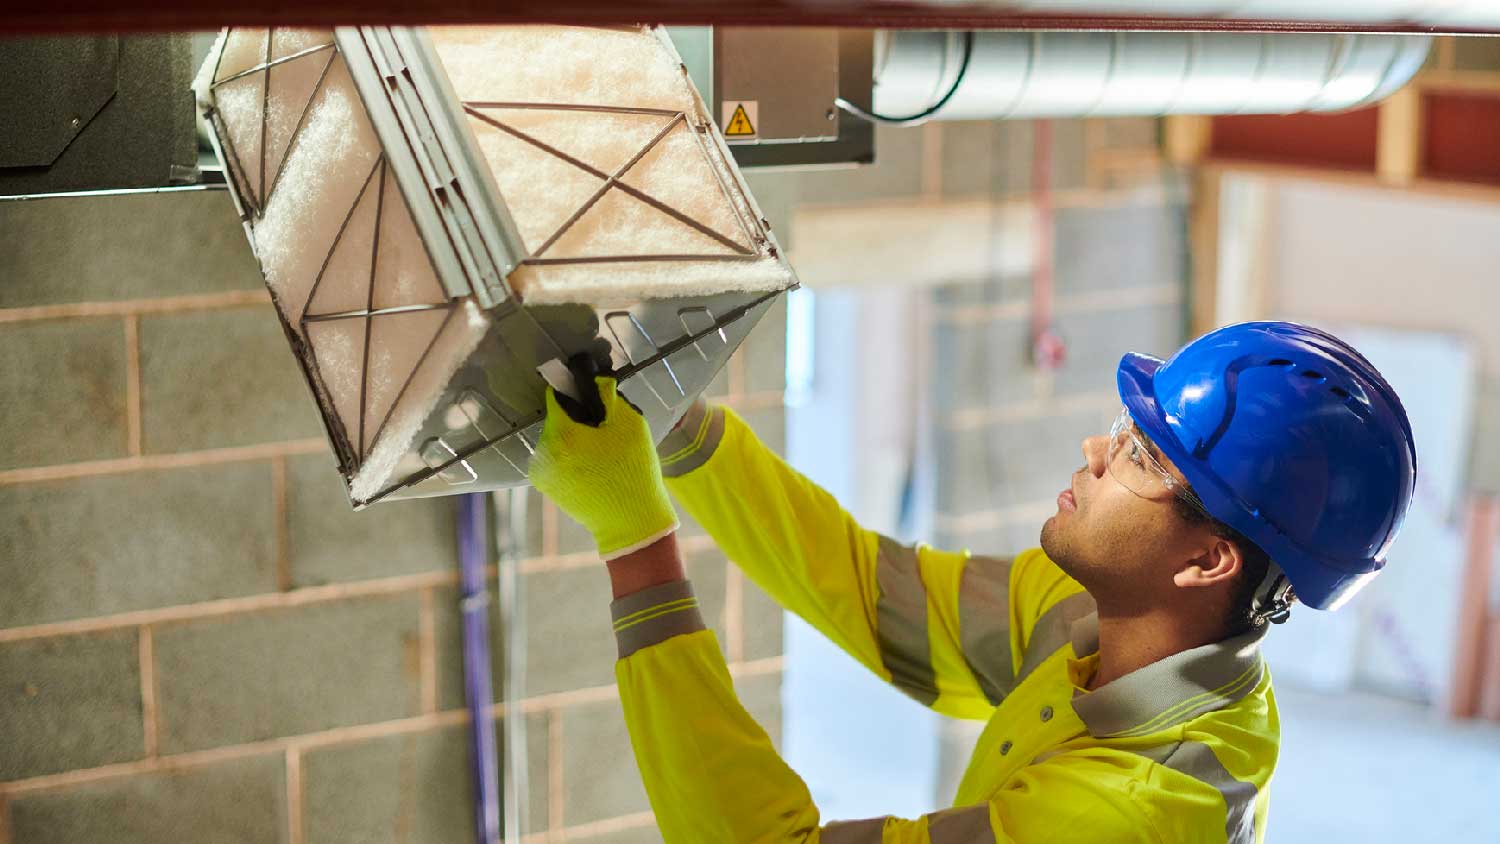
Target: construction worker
{"type": "Point", "coordinates": [1117, 665]}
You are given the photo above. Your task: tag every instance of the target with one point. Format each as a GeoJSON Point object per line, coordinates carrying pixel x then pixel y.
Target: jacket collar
{"type": "Point", "coordinates": [1169, 691]}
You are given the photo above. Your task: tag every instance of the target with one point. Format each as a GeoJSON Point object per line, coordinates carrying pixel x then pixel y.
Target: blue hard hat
{"type": "Point", "coordinates": [1289, 436]}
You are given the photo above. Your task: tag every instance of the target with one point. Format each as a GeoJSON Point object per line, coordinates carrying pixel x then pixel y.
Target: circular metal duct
{"type": "Point", "coordinates": [1103, 74]}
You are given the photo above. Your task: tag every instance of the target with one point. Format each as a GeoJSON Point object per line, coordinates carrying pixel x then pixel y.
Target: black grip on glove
{"type": "Point", "coordinates": [588, 409]}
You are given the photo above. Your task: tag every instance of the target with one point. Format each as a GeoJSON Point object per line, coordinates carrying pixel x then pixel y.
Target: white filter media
{"type": "Point", "coordinates": [335, 239]}
{"type": "Point", "coordinates": [335, 153]}
{"type": "Point", "coordinates": [614, 204]}
{"type": "Point", "coordinates": [560, 64]}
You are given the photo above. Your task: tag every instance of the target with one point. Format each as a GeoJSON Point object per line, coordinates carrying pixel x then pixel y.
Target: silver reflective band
{"type": "Point", "coordinates": [868, 831]}
{"type": "Point", "coordinates": [654, 615]}
{"type": "Point", "coordinates": [1197, 760]}
{"type": "Point", "coordinates": [1053, 630]}
{"type": "Point", "coordinates": [694, 441]}
{"type": "Point", "coordinates": [965, 825]}
{"type": "Point", "coordinates": [984, 625]}
{"type": "Point", "coordinates": [901, 622]}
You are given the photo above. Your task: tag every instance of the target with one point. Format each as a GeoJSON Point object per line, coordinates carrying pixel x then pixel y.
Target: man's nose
{"type": "Point", "coordinates": [1095, 452]}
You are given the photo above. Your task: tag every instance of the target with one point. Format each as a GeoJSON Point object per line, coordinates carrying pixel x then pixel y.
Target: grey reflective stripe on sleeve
{"type": "Point", "coordinates": [984, 625]}
{"type": "Point", "coordinates": [964, 825]}
{"type": "Point", "coordinates": [694, 440]}
{"type": "Point", "coordinates": [1197, 760]}
{"type": "Point", "coordinates": [654, 615]}
{"type": "Point", "coordinates": [867, 831]}
{"type": "Point", "coordinates": [1053, 630]}
{"type": "Point", "coordinates": [901, 622]}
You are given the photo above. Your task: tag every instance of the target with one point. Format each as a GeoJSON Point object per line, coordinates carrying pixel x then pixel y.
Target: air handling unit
{"type": "Point", "coordinates": [444, 217]}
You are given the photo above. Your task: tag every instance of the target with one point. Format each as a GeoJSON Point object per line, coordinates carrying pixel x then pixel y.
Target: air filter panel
{"type": "Point", "coordinates": [444, 216]}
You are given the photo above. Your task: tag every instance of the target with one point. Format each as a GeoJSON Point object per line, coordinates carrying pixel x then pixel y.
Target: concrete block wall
{"type": "Point", "coordinates": [200, 641]}
{"type": "Point", "coordinates": [1006, 433]}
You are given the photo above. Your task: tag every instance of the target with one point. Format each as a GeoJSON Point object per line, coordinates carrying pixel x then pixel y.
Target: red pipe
{"type": "Point", "coordinates": [1466, 698]}
{"type": "Point", "coordinates": [1047, 348]}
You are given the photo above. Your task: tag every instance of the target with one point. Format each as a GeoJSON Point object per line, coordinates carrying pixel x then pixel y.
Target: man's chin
{"type": "Point", "coordinates": [1048, 538]}
{"type": "Point", "coordinates": [1055, 546]}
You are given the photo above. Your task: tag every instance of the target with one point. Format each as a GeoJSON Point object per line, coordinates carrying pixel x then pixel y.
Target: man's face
{"type": "Point", "coordinates": [1117, 531]}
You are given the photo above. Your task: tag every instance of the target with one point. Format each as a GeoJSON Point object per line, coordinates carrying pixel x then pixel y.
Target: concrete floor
{"type": "Point", "coordinates": [1374, 770]}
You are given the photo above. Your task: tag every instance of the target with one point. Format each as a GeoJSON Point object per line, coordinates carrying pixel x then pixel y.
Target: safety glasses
{"type": "Point", "coordinates": [1133, 465]}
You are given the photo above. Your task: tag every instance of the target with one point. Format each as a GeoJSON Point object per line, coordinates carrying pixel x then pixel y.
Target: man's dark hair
{"type": "Point", "coordinates": [1255, 564]}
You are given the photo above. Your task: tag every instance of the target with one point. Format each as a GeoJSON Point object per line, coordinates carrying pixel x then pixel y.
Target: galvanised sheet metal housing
{"type": "Point", "coordinates": [443, 217]}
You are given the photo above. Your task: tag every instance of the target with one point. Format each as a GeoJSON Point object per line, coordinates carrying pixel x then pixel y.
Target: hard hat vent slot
{"type": "Point", "coordinates": [1279, 362]}
{"type": "Point", "coordinates": [1308, 373]}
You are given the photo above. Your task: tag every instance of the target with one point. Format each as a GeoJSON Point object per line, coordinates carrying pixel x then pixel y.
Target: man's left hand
{"type": "Point", "coordinates": [607, 477]}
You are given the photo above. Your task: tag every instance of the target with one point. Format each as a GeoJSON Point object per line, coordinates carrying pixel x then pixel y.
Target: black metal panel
{"type": "Point", "coordinates": [54, 88]}
{"type": "Point", "coordinates": [131, 99]}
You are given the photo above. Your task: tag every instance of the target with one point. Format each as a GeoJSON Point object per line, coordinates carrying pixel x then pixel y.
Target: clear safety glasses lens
{"type": "Point", "coordinates": [1128, 461]}
{"type": "Point", "coordinates": [1133, 466]}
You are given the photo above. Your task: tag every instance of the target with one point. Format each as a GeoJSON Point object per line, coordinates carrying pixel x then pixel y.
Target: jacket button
{"type": "Point", "coordinates": [1046, 713]}
{"type": "Point", "coordinates": [1004, 747]}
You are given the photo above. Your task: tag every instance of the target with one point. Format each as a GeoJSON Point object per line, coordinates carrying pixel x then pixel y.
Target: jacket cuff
{"type": "Point", "coordinates": [652, 616]}
{"type": "Point", "coordinates": [693, 441]}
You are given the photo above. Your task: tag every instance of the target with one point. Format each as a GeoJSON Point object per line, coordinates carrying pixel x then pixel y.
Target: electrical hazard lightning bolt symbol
{"type": "Point", "coordinates": [739, 124]}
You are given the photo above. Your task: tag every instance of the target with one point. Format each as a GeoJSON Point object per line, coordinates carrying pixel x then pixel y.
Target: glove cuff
{"type": "Point", "coordinates": [606, 556]}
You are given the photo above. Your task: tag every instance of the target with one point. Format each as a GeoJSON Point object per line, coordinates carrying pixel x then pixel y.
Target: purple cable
{"type": "Point", "coordinates": [474, 604]}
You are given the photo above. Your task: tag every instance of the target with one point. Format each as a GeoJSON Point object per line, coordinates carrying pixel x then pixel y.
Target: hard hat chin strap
{"type": "Point", "coordinates": [1273, 598]}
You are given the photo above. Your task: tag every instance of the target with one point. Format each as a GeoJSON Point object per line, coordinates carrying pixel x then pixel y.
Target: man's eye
{"type": "Point", "coordinates": [1135, 454]}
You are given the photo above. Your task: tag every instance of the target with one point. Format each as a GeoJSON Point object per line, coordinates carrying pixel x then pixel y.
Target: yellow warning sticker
{"type": "Point", "coordinates": [740, 118]}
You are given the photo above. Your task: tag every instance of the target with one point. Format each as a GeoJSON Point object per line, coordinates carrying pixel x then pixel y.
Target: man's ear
{"type": "Point", "coordinates": [1219, 563]}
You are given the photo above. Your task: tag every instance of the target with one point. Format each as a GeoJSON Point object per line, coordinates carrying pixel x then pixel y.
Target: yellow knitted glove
{"type": "Point", "coordinates": [608, 477]}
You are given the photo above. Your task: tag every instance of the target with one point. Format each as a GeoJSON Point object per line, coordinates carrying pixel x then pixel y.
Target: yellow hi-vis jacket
{"type": "Point", "coordinates": [1179, 751]}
